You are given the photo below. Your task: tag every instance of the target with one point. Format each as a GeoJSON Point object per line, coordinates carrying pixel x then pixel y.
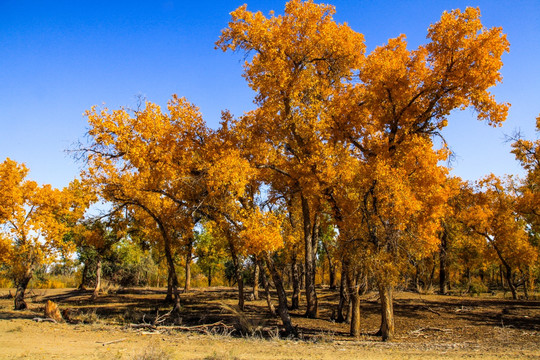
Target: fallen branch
{"type": "Point", "coordinates": [198, 327]}
{"type": "Point", "coordinates": [417, 331]}
{"type": "Point", "coordinates": [160, 319]}
{"type": "Point", "coordinates": [143, 326]}
{"type": "Point", "coordinates": [431, 310]}
{"type": "Point", "coordinates": [205, 328]}
{"type": "Point", "coordinates": [111, 342]}
{"type": "Point", "coordinates": [38, 319]}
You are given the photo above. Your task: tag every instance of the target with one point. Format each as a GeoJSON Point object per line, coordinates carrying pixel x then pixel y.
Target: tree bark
{"type": "Point", "coordinates": [354, 297]}
{"type": "Point", "coordinates": [187, 284]}
{"type": "Point", "coordinates": [282, 297]}
{"type": "Point", "coordinates": [173, 279]}
{"type": "Point", "coordinates": [333, 278]}
{"type": "Point", "coordinates": [266, 286]}
{"type": "Point", "coordinates": [343, 294]}
{"type": "Point", "coordinates": [507, 272]}
{"type": "Point", "coordinates": [256, 274]}
{"type": "Point", "coordinates": [239, 277]}
{"type": "Point", "coordinates": [22, 284]}
{"type": "Point", "coordinates": [295, 300]}
{"type": "Point", "coordinates": [309, 239]}
{"type": "Point", "coordinates": [84, 277]}
{"type": "Point", "coordinates": [387, 312]}
{"type": "Point", "coordinates": [443, 260]}
{"type": "Point", "coordinates": [97, 288]}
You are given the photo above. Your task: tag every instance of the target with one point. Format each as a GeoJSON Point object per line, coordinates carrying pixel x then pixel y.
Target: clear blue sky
{"type": "Point", "coordinates": [58, 58]}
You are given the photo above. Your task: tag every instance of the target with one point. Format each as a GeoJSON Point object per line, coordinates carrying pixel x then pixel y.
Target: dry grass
{"type": "Point", "coordinates": [154, 351]}
{"type": "Point", "coordinates": [427, 326]}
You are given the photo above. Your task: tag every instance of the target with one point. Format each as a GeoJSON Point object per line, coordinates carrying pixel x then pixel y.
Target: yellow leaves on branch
{"type": "Point", "coordinates": [262, 232]}
{"type": "Point", "coordinates": [34, 219]}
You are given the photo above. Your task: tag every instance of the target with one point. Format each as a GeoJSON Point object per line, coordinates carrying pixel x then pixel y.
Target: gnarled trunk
{"type": "Point", "coordinates": [22, 284]}
{"type": "Point", "coordinates": [387, 312]}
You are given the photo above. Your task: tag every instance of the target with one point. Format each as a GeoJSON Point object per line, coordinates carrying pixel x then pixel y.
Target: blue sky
{"type": "Point", "coordinates": [58, 58]}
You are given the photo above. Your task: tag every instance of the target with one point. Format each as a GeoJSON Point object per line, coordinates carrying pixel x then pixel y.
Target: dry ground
{"type": "Point", "coordinates": [427, 326]}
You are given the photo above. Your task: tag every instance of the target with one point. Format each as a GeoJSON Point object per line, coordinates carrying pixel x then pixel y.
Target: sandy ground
{"type": "Point", "coordinates": [453, 334]}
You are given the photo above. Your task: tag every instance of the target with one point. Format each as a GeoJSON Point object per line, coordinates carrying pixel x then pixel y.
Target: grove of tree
{"type": "Point", "coordinates": [340, 172]}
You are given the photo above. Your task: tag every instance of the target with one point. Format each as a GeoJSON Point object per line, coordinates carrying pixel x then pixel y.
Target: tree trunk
{"type": "Point", "coordinates": [239, 277]}
{"type": "Point", "coordinates": [295, 300]}
{"type": "Point", "coordinates": [432, 276]}
{"type": "Point", "coordinates": [173, 279]}
{"type": "Point", "coordinates": [169, 297]}
{"type": "Point", "coordinates": [331, 268]}
{"type": "Point", "coordinates": [187, 284]}
{"type": "Point", "coordinates": [343, 294]}
{"type": "Point", "coordinates": [507, 272]}
{"type": "Point", "coordinates": [209, 276]}
{"type": "Point", "coordinates": [333, 278]}
{"type": "Point", "coordinates": [311, 294]}
{"type": "Point", "coordinates": [354, 297]}
{"type": "Point", "coordinates": [22, 284]}
{"type": "Point", "coordinates": [256, 273]}
{"type": "Point", "coordinates": [84, 277]}
{"type": "Point", "coordinates": [508, 276]}
{"type": "Point", "coordinates": [282, 297]}
{"type": "Point", "coordinates": [443, 260]}
{"type": "Point", "coordinates": [266, 286]}
{"type": "Point", "coordinates": [387, 312]}
{"type": "Point", "coordinates": [97, 288]}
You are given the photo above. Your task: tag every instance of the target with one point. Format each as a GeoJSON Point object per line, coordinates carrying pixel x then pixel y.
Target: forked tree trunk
{"type": "Point", "coordinates": [97, 288]}
{"type": "Point", "coordinates": [507, 272]}
{"type": "Point", "coordinates": [387, 312]}
{"type": "Point", "coordinates": [282, 297]}
{"type": "Point", "coordinates": [266, 286]}
{"type": "Point", "coordinates": [22, 284]}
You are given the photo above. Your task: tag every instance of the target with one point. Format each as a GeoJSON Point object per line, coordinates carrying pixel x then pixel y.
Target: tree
{"type": "Point", "coordinates": [299, 60]}
{"type": "Point", "coordinates": [389, 119]}
{"type": "Point", "coordinates": [151, 161]}
{"type": "Point", "coordinates": [35, 219]}
{"type": "Point", "coordinates": [493, 214]}
{"type": "Point", "coordinates": [209, 254]}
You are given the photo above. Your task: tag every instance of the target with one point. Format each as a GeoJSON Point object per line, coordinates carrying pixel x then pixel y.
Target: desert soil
{"type": "Point", "coordinates": [427, 327]}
